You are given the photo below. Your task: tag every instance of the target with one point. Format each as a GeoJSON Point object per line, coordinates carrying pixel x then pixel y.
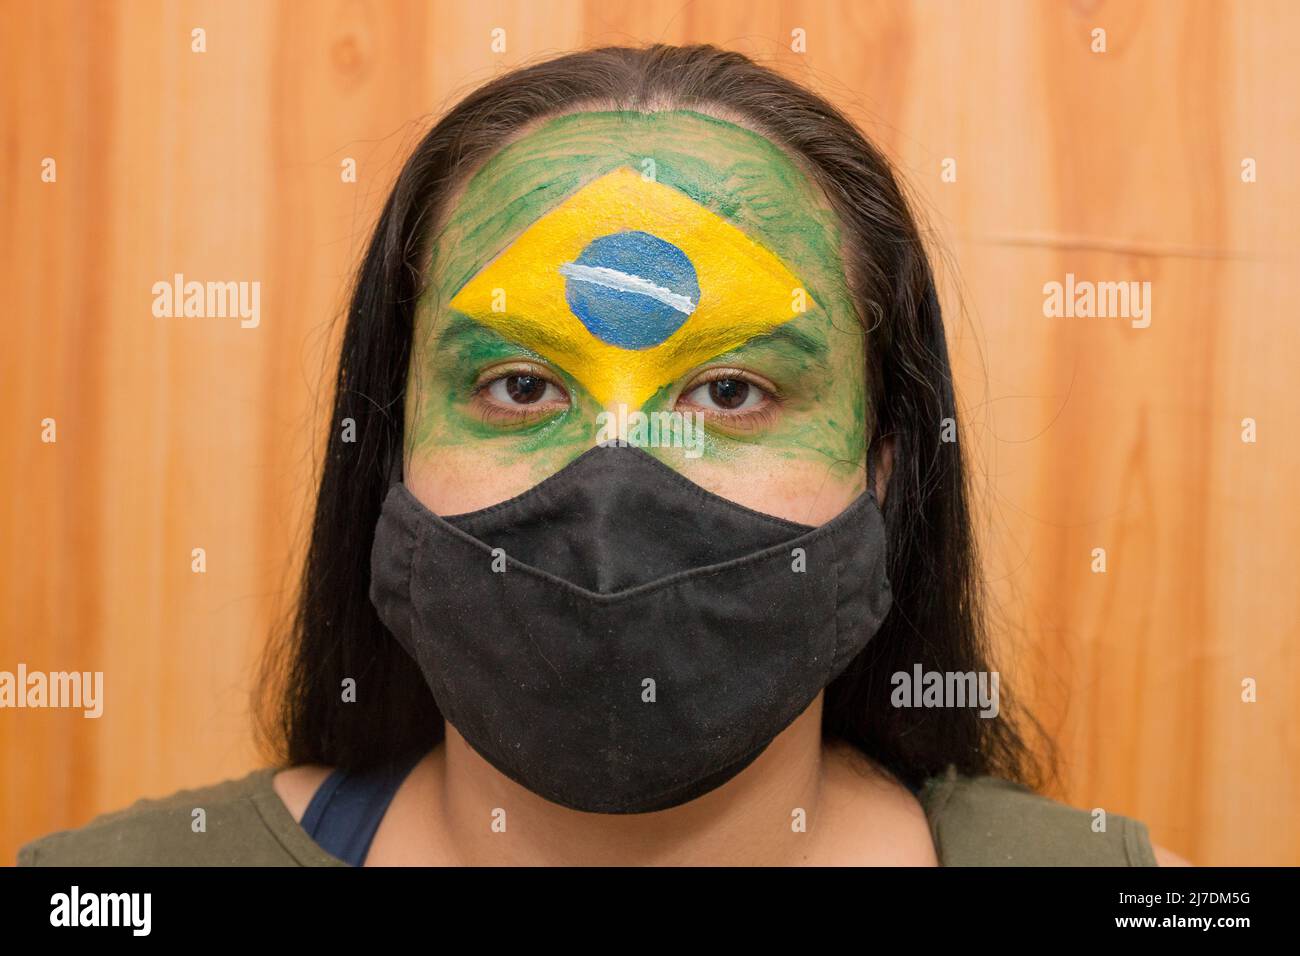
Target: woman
{"type": "Point", "coordinates": [637, 516]}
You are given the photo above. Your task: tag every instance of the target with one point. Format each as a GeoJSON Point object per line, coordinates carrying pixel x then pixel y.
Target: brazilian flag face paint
{"type": "Point", "coordinates": [631, 289]}
{"type": "Point", "coordinates": [627, 257]}
{"type": "Point", "coordinates": [628, 284]}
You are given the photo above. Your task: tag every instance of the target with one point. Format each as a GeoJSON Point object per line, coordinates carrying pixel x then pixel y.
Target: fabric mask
{"type": "Point", "coordinates": [617, 639]}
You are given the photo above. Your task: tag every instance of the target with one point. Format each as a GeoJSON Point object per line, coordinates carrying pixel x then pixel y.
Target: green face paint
{"type": "Point", "coordinates": [655, 262]}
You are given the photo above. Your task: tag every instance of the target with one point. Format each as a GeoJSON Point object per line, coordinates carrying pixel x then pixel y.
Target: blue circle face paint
{"type": "Point", "coordinates": [631, 289]}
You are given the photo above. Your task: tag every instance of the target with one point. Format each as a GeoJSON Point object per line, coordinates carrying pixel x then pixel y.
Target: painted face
{"type": "Point", "coordinates": [629, 284]}
{"type": "Point", "coordinates": [668, 278]}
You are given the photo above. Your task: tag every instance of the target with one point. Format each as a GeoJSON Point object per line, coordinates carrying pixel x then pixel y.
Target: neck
{"type": "Point", "coordinates": [461, 810]}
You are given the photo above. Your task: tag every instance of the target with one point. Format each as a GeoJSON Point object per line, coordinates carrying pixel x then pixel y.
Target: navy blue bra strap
{"type": "Point", "coordinates": [346, 810]}
{"type": "Point", "coordinates": [311, 817]}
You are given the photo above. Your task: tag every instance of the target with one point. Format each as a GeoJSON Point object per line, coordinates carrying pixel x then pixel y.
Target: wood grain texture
{"type": "Point", "coordinates": [182, 433]}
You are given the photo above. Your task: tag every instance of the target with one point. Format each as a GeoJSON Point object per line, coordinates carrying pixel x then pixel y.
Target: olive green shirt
{"type": "Point", "coordinates": [975, 821]}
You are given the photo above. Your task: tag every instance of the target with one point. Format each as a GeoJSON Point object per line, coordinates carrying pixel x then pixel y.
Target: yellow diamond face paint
{"type": "Point", "coordinates": [628, 284]}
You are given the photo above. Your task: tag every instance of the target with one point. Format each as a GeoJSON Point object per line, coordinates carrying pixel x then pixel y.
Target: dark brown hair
{"type": "Point", "coordinates": [936, 620]}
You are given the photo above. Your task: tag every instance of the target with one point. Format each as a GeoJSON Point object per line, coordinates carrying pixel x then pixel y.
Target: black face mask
{"type": "Point", "coordinates": [616, 638]}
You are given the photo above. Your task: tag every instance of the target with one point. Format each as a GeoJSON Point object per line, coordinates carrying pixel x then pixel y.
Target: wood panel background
{"type": "Point", "coordinates": [1116, 166]}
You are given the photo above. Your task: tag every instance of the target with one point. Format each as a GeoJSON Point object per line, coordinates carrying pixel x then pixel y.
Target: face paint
{"type": "Point", "coordinates": [629, 284]}
{"type": "Point", "coordinates": [631, 255]}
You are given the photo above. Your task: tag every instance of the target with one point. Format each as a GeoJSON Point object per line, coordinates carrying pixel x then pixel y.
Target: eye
{"type": "Point", "coordinates": [524, 389]}
{"type": "Point", "coordinates": [727, 390]}
{"type": "Point", "coordinates": [518, 395]}
{"type": "Point", "coordinates": [727, 395]}
{"type": "Point", "coordinates": [732, 399]}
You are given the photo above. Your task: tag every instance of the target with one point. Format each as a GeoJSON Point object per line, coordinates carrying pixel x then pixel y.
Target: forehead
{"type": "Point", "coordinates": [732, 171]}
{"type": "Point", "coordinates": [627, 247]}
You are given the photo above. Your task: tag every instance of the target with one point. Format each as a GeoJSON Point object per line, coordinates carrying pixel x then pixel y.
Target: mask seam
{"type": "Point", "coordinates": [827, 530]}
{"type": "Point", "coordinates": [839, 610]}
{"type": "Point", "coordinates": [642, 461]}
{"type": "Point", "coordinates": [417, 549]}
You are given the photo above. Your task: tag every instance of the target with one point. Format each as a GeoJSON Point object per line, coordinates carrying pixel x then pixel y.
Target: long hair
{"type": "Point", "coordinates": [937, 618]}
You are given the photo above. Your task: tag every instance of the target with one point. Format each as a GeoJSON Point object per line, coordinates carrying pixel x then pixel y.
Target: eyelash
{"type": "Point", "coordinates": [492, 411]}
{"type": "Point", "coordinates": [747, 419]}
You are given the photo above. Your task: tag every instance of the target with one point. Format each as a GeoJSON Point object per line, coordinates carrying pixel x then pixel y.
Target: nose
{"type": "Point", "coordinates": [617, 422]}
{"type": "Point", "coordinates": [624, 424]}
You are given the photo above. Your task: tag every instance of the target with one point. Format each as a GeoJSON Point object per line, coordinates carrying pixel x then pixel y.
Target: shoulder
{"type": "Point", "coordinates": [988, 821]}
{"type": "Point", "coordinates": [296, 786]}
{"type": "Point", "coordinates": [874, 819]}
{"type": "Point", "coordinates": [236, 822]}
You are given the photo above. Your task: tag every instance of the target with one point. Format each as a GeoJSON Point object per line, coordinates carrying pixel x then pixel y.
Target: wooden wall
{"type": "Point", "coordinates": [1086, 433]}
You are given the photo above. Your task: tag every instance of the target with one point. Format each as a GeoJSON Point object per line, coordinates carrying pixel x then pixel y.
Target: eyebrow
{"type": "Point", "coordinates": [811, 345]}
{"type": "Point", "coordinates": [462, 327]}
{"type": "Point", "coordinates": [459, 327]}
